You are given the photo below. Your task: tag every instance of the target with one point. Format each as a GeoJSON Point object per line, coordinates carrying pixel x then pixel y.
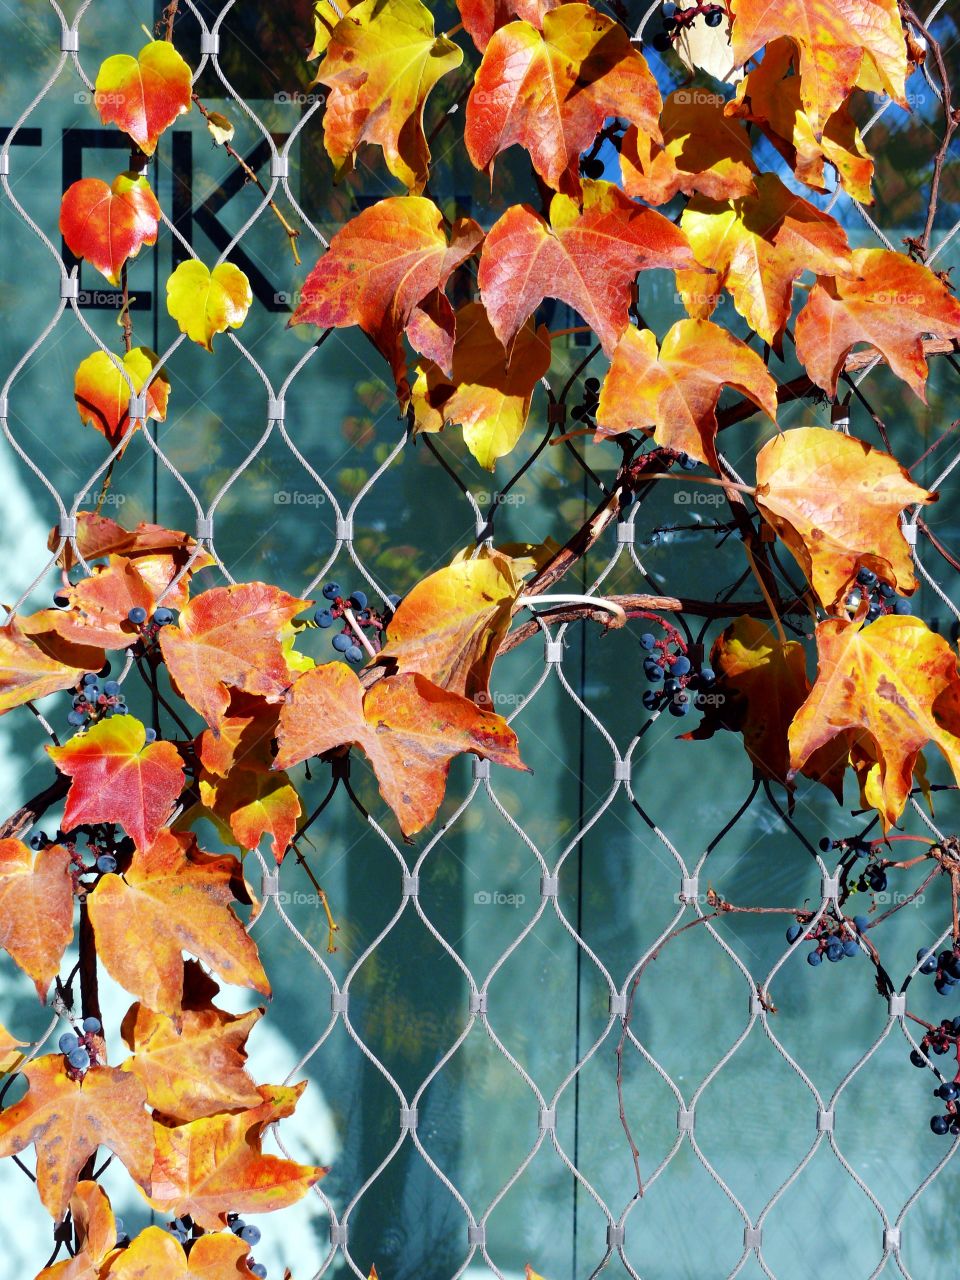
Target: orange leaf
{"type": "Point", "coordinates": [98, 607]}
{"type": "Point", "coordinates": [837, 39]}
{"type": "Point", "coordinates": [96, 1232]}
{"type": "Point", "coordinates": [173, 898]}
{"type": "Point", "coordinates": [379, 269]}
{"type": "Point", "coordinates": [33, 667]}
{"type": "Point", "coordinates": [482, 17]}
{"type": "Point", "coordinates": [254, 805]}
{"type": "Point", "coordinates": [835, 502]}
{"type": "Point", "coordinates": [895, 681]}
{"type": "Point", "coordinates": [10, 1048]}
{"type": "Point", "coordinates": [676, 391]}
{"type": "Point", "coordinates": [702, 152]}
{"type": "Point", "coordinates": [100, 536]}
{"type": "Point", "coordinates": [587, 259]}
{"type": "Point", "coordinates": [107, 225]}
{"type": "Point", "coordinates": [229, 638]}
{"type": "Point", "coordinates": [144, 95]}
{"type": "Point", "coordinates": [551, 91]}
{"type": "Point", "coordinates": [196, 1070]}
{"type": "Point", "coordinates": [758, 247]}
{"type": "Point", "coordinates": [214, 1166]}
{"type": "Point", "coordinates": [36, 909]}
{"type": "Point", "coordinates": [156, 1255]}
{"type": "Point", "coordinates": [117, 776]}
{"type": "Point", "coordinates": [68, 1119]}
{"type": "Point", "coordinates": [408, 728]}
{"type": "Point", "coordinates": [890, 303]}
{"type": "Point", "coordinates": [102, 392]}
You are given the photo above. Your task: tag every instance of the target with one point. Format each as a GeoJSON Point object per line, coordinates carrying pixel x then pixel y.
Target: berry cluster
{"type": "Point", "coordinates": [251, 1236]}
{"type": "Point", "coordinates": [832, 940]}
{"type": "Point", "coordinates": [675, 19]}
{"type": "Point", "coordinates": [873, 877]}
{"type": "Point", "coordinates": [93, 701]}
{"type": "Point", "coordinates": [104, 845]}
{"type": "Point", "coordinates": [946, 967]}
{"type": "Point", "coordinates": [356, 604]}
{"type": "Point", "coordinates": [940, 1040]}
{"type": "Point", "coordinates": [680, 681]}
{"type": "Point", "coordinates": [883, 598]}
{"type": "Point", "coordinates": [587, 411]}
{"type": "Point", "coordinates": [80, 1048]}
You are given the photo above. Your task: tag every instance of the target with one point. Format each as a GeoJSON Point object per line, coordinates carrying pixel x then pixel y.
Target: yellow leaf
{"type": "Point", "coordinates": [205, 302]}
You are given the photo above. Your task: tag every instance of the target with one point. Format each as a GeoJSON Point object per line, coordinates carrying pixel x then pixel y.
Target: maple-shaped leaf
{"type": "Point", "coordinates": [36, 909]}
{"type": "Point", "coordinates": [95, 1229]}
{"type": "Point", "coordinates": [895, 681]}
{"type": "Point", "coordinates": [408, 728]}
{"type": "Point", "coordinates": [481, 18]}
{"type": "Point", "coordinates": [154, 548]}
{"type": "Point", "coordinates": [379, 269]}
{"type": "Point", "coordinates": [675, 391]}
{"type": "Point", "coordinates": [97, 608]}
{"type": "Point", "coordinates": [758, 246]}
{"type": "Point", "coordinates": [68, 1119]}
{"type": "Point", "coordinates": [380, 64]}
{"type": "Point", "coordinates": [196, 1069]}
{"type": "Point", "coordinates": [143, 95]}
{"type": "Point", "coordinates": [205, 302]}
{"type": "Point", "coordinates": [325, 21]}
{"type": "Point", "coordinates": [587, 259]}
{"type": "Point", "coordinates": [230, 638]}
{"type": "Point", "coordinates": [837, 40]}
{"type": "Point", "coordinates": [173, 898]}
{"type": "Point", "coordinates": [102, 392]}
{"type": "Point", "coordinates": [769, 96]}
{"type": "Point", "coordinates": [117, 776]}
{"type": "Point", "coordinates": [157, 1255]}
{"type": "Point", "coordinates": [10, 1047]}
{"type": "Point", "coordinates": [106, 225]}
{"type": "Point", "coordinates": [449, 627]}
{"type": "Point", "coordinates": [550, 91]}
{"type": "Point", "coordinates": [702, 152]}
{"type": "Point", "coordinates": [835, 502]}
{"type": "Point", "coordinates": [32, 667]}
{"type": "Point", "coordinates": [215, 1166]}
{"type": "Point", "coordinates": [253, 805]}
{"type": "Point", "coordinates": [890, 303]}
{"type": "Point", "coordinates": [761, 684]}
{"type": "Point", "coordinates": [487, 394]}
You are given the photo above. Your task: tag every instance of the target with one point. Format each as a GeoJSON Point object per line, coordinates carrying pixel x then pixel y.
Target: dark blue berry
{"type": "Point", "coordinates": [79, 1059]}
{"type": "Point", "coordinates": [861, 923]}
{"type": "Point", "coordinates": [917, 1058]}
{"type": "Point", "coordinates": [106, 863]}
{"type": "Point", "coordinates": [850, 947]}
{"type": "Point", "coordinates": [354, 654]}
{"type": "Point", "coordinates": [647, 640]}
{"type": "Point", "coordinates": [680, 666]}
{"type": "Point", "coordinates": [903, 607]}
{"type": "Point", "coordinates": [714, 17]}
{"type": "Point", "coordinates": [342, 642]}
{"type": "Point", "coordinates": [834, 951]}
{"type": "Point", "coordinates": [826, 844]}
{"type": "Point", "coordinates": [886, 590]}
{"type": "Point", "coordinates": [948, 1092]}
{"type": "Point", "coordinates": [92, 1026]}
{"type": "Point", "coordinates": [323, 618]}
{"type": "Point", "coordinates": [67, 1042]}
{"type": "Point", "coordinates": [38, 840]}
{"type": "Point", "coordinates": [331, 590]}
{"type": "Point", "coordinates": [250, 1234]}
{"type": "Point", "coordinates": [111, 688]}
{"type": "Point", "coordinates": [814, 958]}
{"type": "Point", "coordinates": [939, 1124]}
{"type": "Point", "coordinates": [680, 706]}
{"type": "Point", "coordinates": [163, 617]}
{"type": "Point", "coordinates": [150, 734]}
{"type": "Point", "coordinates": [652, 670]}
{"type": "Point", "coordinates": [76, 718]}
{"type": "Point", "coordinates": [358, 600]}
{"type": "Point", "coordinates": [867, 578]}
{"type": "Point", "coordinates": [794, 932]}
{"type": "Point", "coordinates": [650, 698]}
{"type": "Point", "coordinates": [137, 615]}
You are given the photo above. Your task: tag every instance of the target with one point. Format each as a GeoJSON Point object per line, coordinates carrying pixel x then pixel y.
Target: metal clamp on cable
{"type": "Point", "coordinates": [344, 529]}
{"type": "Point", "coordinates": [275, 409]}
{"type": "Point", "coordinates": [270, 884]}
{"type": "Point", "coordinates": [824, 1121]}
{"type": "Point", "coordinates": [481, 768]}
{"type": "Point", "coordinates": [752, 1237]}
{"type": "Point", "coordinates": [138, 407]}
{"type": "Point", "coordinates": [204, 528]}
{"type": "Point", "coordinates": [408, 1118]}
{"type": "Point", "coordinates": [830, 887]}
{"type": "Point", "coordinates": [411, 886]}
{"type": "Point", "coordinates": [69, 40]}
{"type": "Point", "coordinates": [549, 886]}
{"type": "Point", "coordinates": [477, 1234]}
{"type": "Point", "coordinates": [339, 1001]}
{"type": "Point", "coordinates": [279, 166]}
{"type": "Point", "coordinates": [210, 43]}
{"type": "Point", "coordinates": [338, 1235]}
{"type": "Point", "coordinates": [685, 1120]}
{"type": "Point", "coordinates": [548, 1119]}
{"type": "Point", "coordinates": [68, 526]}
{"type": "Point", "coordinates": [615, 1234]}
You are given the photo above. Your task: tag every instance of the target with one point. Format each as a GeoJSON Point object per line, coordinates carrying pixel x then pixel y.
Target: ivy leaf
{"type": "Point", "coordinates": [487, 394]}
{"type": "Point", "coordinates": [253, 805]}
{"type": "Point", "coordinates": [550, 91]}
{"type": "Point", "coordinates": [118, 777]}
{"type": "Point", "coordinates": [379, 269]}
{"type": "Point", "coordinates": [205, 302]}
{"type": "Point", "coordinates": [890, 303]}
{"type": "Point", "coordinates": [896, 682]}
{"type": "Point", "coordinates": [702, 153]}
{"type": "Point", "coordinates": [839, 42]}
{"type": "Point", "coordinates": [230, 638]}
{"type": "Point", "coordinates": [31, 668]}
{"type": "Point", "coordinates": [173, 898]}
{"type": "Point", "coordinates": [143, 95]}
{"type": "Point", "coordinates": [106, 225]}
{"type": "Point", "coordinates": [380, 64]}
{"type": "Point", "coordinates": [408, 728]}
{"type": "Point", "coordinates": [587, 259]}
{"type": "Point", "coordinates": [676, 390]}
{"type": "Point", "coordinates": [68, 1119]}
{"type": "Point", "coordinates": [157, 1255]}
{"type": "Point", "coordinates": [103, 394]}
{"type": "Point", "coordinates": [215, 1166]}
{"type": "Point", "coordinates": [482, 17]}
{"type": "Point", "coordinates": [758, 246]}
{"type": "Point", "coordinates": [36, 909]}
{"type": "Point", "coordinates": [835, 502]}
{"type": "Point", "coordinates": [98, 607]}
{"type": "Point", "coordinates": [196, 1069]}
{"type": "Point", "coordinates": [450, 626]}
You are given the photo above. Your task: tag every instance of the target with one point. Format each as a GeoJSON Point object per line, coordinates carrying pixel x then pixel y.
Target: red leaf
{"type": "Point", "coordinates": [107, 225]}
{"type": "Point", "coordinates": [144, 95]}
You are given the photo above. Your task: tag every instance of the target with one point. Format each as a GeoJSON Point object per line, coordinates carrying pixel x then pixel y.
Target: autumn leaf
{"type": "Point", "coordinates": [32, 668]}
{"type": "Point", "coordinates": [195, 1070]}
{"type": "Point", "coordinates": [117, 776]}
{"type": "Point", "coordinates": [408, 728]}
{"type": "Point", "coordinates": [157, 1255]}
{"type": "Point", "coordinates": [890, 303]}
{"type": "Point", "coordinates": [97, 607]}
{"type": "Point", "coordinates": [838, 41]}
{"type": "Point", "coordinates": [98, 536]}
{"type": "Point", "coordinates": [253, 805]}
{"type": "Point", "coordinates": [675, 391]}
{"type": "Point", "coordinates": [215, 1166]}
{"type": "Point", "coordinates": [380, 267]}
{"type": "Point", "coordinates": [106, 225]}
{"type": "Point", "coordinates": [143, 95]}
{"type": "Point", "coordinates": [68, 1119]}
{"type": "Point", "coordinates": [835, 502]}
{"type": "Point", "coordinates": [487, 394]}
{"type": "Point", "coordinates": [482, 17]}
{"type": "Point", "coordinates": [550, 91]}
{"type": "Point", "coordinates": [702, 153]}
{"type": "Point", "coordinates": [895, 681]}
{"type": "Point", "coordinates": [230, 638]}
{"type": "Point", "coordinates": [758, 247]}
{"type": "Point", "coordinates": [10, 1047]}
{"type": "Point", "coordinates": [96, 1234]}
{"type": "Point", "coordinates": [587, 259]}
{"type": "Point", "coordinates": [380, 65]}
{"type": "Point", "coordinates": [173, 898]}
{"type": "Point", "coordinates": [102, 392]}
{"type": "Point", "coordinates": [205, 302]}
{"type": "Point", "coordinates": [325, 21]}
{"type": "Point", "coordinates": [449, 627]}
{"type": "Point", "coordinates": [36, 909]}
